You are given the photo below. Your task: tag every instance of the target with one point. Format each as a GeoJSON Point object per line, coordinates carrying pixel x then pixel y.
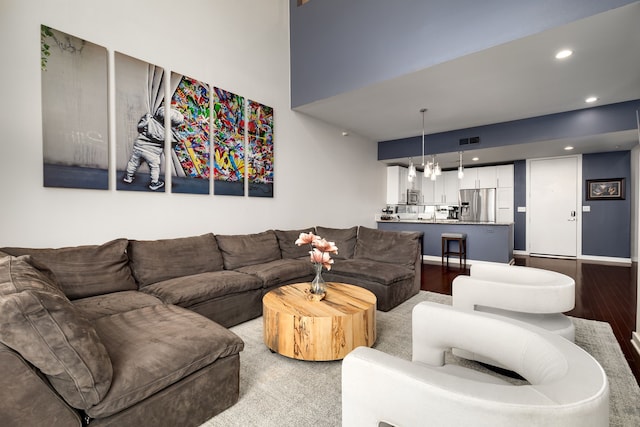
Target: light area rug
{"type": "Point", "coordinates": [279, 391]}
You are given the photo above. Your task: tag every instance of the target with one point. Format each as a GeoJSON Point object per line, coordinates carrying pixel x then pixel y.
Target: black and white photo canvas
{"type": "Point", "coordinates": [74, 111]}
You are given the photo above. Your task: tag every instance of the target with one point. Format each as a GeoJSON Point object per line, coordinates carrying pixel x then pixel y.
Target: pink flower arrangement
{"type": "Point", "coordinates": [321, 249]}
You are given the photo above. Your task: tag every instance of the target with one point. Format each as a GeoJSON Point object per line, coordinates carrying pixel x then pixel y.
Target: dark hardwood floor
{"type": "Point", "coordinates": [603, 292]}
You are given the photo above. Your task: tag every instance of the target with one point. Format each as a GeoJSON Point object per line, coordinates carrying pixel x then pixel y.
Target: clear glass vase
{"type": "Point", "coordinates": [318, 285]}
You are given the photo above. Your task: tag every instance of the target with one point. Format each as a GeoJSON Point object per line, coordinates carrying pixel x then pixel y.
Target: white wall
{"type": "Point", "coordinates": [320, 178]}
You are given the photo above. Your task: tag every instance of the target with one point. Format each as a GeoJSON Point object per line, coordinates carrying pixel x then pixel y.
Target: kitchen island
{"type": "Point", "coordinates": [491, 242]}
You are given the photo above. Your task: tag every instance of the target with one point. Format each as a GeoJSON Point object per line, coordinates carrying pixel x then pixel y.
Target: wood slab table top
{"type": "Point", "coordinates": [304, 329]}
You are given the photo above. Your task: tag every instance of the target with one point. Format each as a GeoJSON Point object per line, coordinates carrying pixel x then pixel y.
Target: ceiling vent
{"type": "Point", "coordinates": [471, 140]}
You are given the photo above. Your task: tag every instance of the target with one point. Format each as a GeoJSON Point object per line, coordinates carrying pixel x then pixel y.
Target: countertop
{"type": "Point", "coordinates": [442, 221]}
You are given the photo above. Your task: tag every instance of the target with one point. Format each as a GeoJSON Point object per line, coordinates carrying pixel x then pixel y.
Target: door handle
{"type": "Point", "coordinates": [573, 216]}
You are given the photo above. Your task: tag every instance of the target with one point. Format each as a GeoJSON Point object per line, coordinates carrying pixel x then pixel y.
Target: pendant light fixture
{"type": "Point", "coordinates": [436, 169]}
{"type": "Point", "coordinates": [431, 168]}
{"type": "Point", "coordinates": [412, 170]}
{"type": "Point", "coordinates": [460, 169]}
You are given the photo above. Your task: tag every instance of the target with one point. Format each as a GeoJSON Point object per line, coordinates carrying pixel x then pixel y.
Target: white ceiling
{"type": "Point", "coordinates": [516, 80]}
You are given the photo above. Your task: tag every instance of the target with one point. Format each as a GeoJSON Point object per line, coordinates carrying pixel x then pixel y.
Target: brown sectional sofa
{"type": "Point", "coordinates": [134, 332]}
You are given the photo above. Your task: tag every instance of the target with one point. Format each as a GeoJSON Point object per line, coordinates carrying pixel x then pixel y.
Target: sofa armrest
{"type": "Point", "coordinates": [27, 398]}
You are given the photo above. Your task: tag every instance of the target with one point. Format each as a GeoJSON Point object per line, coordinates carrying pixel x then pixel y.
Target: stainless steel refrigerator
{"type": "Point", "coordinates": [478, 205]}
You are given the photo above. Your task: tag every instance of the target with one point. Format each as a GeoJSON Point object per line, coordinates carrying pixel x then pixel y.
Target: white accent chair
{"type": "Point", "coordinates": [527, 294]}
{"type": "Point", "coordinates": [567, 387]}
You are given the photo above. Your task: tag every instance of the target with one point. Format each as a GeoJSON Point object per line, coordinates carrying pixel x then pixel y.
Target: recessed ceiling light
{"type": "Point", "coordinates": [565, 53]}
{"type": "Point", "coordinates": [475, 159]}
{"type": "Point", "coordinates": [591, 99]}
{"type": "Point", "coordinates": [568, 148]}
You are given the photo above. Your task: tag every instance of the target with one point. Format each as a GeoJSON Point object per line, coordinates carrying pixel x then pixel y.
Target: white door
{"type": "Point", "coordinates": [553, 204]}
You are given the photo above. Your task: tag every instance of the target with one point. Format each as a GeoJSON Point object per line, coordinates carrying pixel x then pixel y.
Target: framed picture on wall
{"type": "Point", "coordinates": [605, 189]}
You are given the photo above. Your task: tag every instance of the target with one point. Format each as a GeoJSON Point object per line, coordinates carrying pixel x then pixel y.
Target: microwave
{"type": "Point", "coordinates": [413, 197]}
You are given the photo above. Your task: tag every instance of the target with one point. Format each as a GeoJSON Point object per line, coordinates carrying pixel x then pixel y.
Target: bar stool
{"type": "Point", "coordinates": [461, 253]}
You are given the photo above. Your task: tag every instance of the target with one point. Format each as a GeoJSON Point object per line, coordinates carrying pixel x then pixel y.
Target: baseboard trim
{"type": "Point", "coordinates": [635, 342]}
{"type": "Point", "coordinates": [432, 259]}
{"type": "Point", "coordinates": [551, 256]}
{"type": "Point", "coordinates": [591, 258]}
{"type": "Point", "coordinates": [605, 259]}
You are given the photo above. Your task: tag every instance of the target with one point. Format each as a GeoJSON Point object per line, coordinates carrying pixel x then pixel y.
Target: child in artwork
{"type": "Point", "coordinates": [149, 145]}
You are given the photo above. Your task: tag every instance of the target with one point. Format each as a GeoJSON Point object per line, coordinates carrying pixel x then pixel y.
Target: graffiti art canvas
{"type": "Point", "coordinates": [260, 150]}
{"type": "Point", "coordinates": [190, 155]}
{"type": "Point", "coordinates": [140, 125]}
{"type": "Point", "coordinates": [74, 111]}
{"type": "Point", "coordinates": [228, 143]}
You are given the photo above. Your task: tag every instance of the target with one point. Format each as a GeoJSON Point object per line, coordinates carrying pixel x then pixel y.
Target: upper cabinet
{"type": "Point", "coordinates": [482, 177]}
{"type": "Point", "coordinates": [505, 176]}
{"type": "Point", "coordinates": [398, 184]}
{"type": "Point", "coordinates": [487, 177]}
{"type": "Point", "coordinates": [444, 190]}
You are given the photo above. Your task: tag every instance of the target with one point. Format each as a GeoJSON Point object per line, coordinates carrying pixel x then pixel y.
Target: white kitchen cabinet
{"type": "Point", "coordinates": [504, 204]}
{"type": "Point", "coordinates": [470, 179]}
{"type": "Point", "coordinates": [480, 177]}
{"type": "Point", "coordinates": [444, 190]}
{"type": "Point", "coordinates": [429, 190]}
{"type": "Point", "coordinates": [504, 194]}
{"type": "Point", "coordinates": [505, 176]}
{"type": "Point", "coordinates": [451, 187]}
{"type": "Point", "coordinates": [487, 177]}
{"type": "Point", "coordinates": [416, 184]}
{"type": "Point", "coordinates": [397, 184]}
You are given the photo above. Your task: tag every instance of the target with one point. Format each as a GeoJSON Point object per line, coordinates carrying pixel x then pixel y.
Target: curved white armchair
{"type": "Point", "coordinates": [528, 294]}
{"type": "Point", "coordinates": [567, 387]}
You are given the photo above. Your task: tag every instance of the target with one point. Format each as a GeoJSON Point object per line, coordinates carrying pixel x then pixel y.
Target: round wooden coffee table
{"type": "Point", "coordinates": [297, 327]}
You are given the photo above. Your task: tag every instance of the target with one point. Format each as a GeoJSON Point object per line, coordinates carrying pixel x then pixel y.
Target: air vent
{"type": "Point", "coordinates": [471, 140]}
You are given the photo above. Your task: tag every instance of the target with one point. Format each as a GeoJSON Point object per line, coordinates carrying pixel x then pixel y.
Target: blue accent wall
{"type": "Point", "coordinates": [519, 199]}
{"type": "Point", "coordinates": [606, 230]}
{"type": "Point", "coordinates": [572, 124]}
{"type": "Point", "coordinates": [339, 46]}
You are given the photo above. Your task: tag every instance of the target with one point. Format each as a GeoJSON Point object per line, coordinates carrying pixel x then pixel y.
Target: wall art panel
{"type": "Point", "coordinates": [228, 143]}
{"type": "Point", "coordinates": [74, 111]}
{"type": "Point", "coordinates": [140, 125]}
{"type": "Point", "coordinates": [260, 150]}
{"type": "Point", "coordinates": [191, 153]}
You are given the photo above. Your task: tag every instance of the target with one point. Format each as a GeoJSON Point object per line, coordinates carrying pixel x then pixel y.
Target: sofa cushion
{"type": "Point", "coordinates": [154, 347]}
{"type": "Point", "coordinates": [157, 260]}
{"type": "Point", "coordinates": [117, 302]}
{"type": "Point", "coordinates": [196, 288]}
{"type": "Point", "coordinates": [344, 238]}
{"type": "Point", "coordinates": [84, 271]}
{"type": "Point", "coordinates": [281, 271]}
{"type": "Point", "coordinates": [248, 249]}
{"type": "Point", "coordinates": [394, 247]}
{"type": "Point", "coordinates": [288, 247]}
{"type": "Point", "coordinates": [40, 323]}
{"type": "Point", "coordinates": [368, 270]}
